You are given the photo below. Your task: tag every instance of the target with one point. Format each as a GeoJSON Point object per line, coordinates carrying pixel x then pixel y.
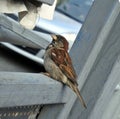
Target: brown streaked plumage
{"type": "Point", "coordinates": [58, 64]}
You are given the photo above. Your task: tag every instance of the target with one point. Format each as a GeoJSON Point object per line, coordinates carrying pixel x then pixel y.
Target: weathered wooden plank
{"type": "Point", "coordinates": [105, 59]}
{"type": "Point", "coordinates": [50, 111]}
{"type": "Point", "coordinates": [108, 102]}
{"type": "Point", "coordinates": [18, 89]}
{"type": "Point", "coordinates": [99, 49]}
{"type": "Point", "coordinates": [13, 32]}
{"type": "Point", "coordinates": [114, 51]}
{"type": "Point", "coordinates": [89, 44]}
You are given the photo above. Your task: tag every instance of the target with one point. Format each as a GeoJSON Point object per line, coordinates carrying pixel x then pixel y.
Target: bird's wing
{"type": "Point", "coordinates": [63, 61]}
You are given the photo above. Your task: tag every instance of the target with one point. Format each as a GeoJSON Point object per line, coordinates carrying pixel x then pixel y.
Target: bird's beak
{"type": "Point", "coordinates": [54, 37]}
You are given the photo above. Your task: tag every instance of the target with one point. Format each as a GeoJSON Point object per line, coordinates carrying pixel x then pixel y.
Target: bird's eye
{"type": "Point", "coordinates": [54, 43]}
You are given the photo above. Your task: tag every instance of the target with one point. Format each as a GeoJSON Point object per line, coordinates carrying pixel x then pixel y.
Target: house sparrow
{"type": "Point", "coordinates": [58, 64]}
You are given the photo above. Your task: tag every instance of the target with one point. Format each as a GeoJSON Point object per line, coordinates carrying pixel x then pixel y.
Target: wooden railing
{"type": "Point", "coordinates": [95, 56]}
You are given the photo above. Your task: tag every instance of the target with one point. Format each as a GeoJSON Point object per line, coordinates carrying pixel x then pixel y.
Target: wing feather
{"type": "Point", "coordinates": [63, 61]}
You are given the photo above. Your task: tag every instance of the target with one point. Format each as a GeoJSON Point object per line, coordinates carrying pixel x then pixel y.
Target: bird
{"type": "Point", "coordinates": [58, 64]}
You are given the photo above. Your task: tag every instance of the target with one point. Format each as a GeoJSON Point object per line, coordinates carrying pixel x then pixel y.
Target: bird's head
{"type": "Point", "coordinates": [59, 41]}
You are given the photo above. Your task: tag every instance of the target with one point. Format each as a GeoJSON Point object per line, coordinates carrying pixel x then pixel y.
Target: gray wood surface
{"type": "Point", "coordinates": [107, 106]}
{"type": "Point", "coordinates": [102, 13]}
{"type": "Point", "coordinates": [54, 110]}
{"type": "Point", "coordinates": [95, 55]}
{"type": "Point", "coordinates": [18, 89]}
{"type": "Point", "coordinates": [12, 32]}
{"type": "Point", "coordinates": [113, 79]}
{"type": "Point", "coordinates": [89, 44]}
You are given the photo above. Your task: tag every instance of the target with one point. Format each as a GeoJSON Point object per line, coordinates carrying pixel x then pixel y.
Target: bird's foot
{"type": "Point", "coordinates": [45, 73]}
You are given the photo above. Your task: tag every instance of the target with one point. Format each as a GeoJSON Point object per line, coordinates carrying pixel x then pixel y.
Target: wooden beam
{"type": "Point", "coordinates": [17, 89]}
{"type": "Point", "coordinates": [108, 103]}
{"type": "Point", "coordinates": [87, 47]}
{"type": "Point", "coordinates": [12, 32]}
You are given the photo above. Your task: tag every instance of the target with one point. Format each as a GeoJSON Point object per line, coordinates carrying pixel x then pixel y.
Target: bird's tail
{"type": "Point", "coordinates": [76, 90]}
